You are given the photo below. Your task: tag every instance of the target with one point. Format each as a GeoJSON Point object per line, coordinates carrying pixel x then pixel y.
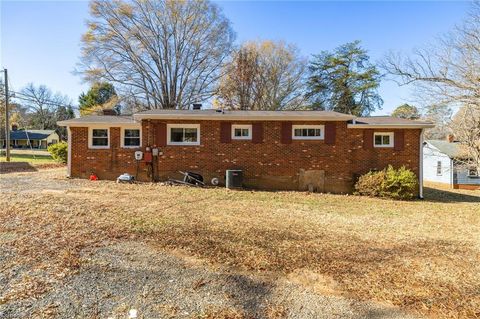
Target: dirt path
{"type": "Point", "coordinates": [130, 273]}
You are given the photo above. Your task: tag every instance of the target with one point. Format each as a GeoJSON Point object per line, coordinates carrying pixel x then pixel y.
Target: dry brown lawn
{"type": "Point", "coordinates": [423, 256]}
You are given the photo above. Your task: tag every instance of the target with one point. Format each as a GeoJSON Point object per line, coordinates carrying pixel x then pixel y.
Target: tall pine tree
{"type": "Point", "coordinates": [99, 96]}
{"type": "Point", "coordinates": [344, 81]}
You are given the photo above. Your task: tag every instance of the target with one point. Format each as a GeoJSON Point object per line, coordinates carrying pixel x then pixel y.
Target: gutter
{"type": "Point", "coordinates": [69, 152]}
{"type": "Point", "coordinates": [99, 124]}
{"type": "Point", "coordinates": [451, 173]}
{"type": "Point", "coordinates": [392, 126]}
{"type": "Point", "coordinates": [230, 117]}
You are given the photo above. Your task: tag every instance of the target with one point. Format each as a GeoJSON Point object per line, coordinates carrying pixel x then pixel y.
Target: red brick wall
{"type": "Point", "coordinates": [106, 163]}
{"type": "Point", "coordinates": [270, 164]}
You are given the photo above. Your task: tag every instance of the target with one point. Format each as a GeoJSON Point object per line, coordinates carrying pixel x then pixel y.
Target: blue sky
{"type": "Point", "coordinates": [40, 40]}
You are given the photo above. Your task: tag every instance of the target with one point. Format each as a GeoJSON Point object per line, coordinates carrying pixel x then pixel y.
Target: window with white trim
{"type": "Point", "coordinates": [241, 132]}
{"type": "Point", "coordinates": [131, 137]}
{"type": "Point", "coordinates": [99, 138]}
{"type": "Point", "coordinates": [473, 172]}
{"type": "Point", "coordinates": [439, 168]}
{"type": "Point", "coordinates": [308, 132]}
{"type": "Point", "coordinates": [383, 139]}
{"type": "Point", "coordinates": [183, 134]}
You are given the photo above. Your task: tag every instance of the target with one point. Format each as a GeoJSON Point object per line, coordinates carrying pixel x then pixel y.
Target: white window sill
{"type": "Point", "coordinates": [308, 138]}
{"type": "Point", "coordinates": [383, 146]}
{"type": "Point", "coordinates": [182, 144]}
{"type": "Point", "coordinates": [99, 147]}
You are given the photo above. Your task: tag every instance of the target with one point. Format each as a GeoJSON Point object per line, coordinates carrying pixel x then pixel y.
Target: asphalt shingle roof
{"type": "Point", "coordinates": [241, 114]}
{"type": "Point", "coordinates": [213, 114]}
{"type": "Point", "coordinates": [28, 134]}
{"type": "Point", "coordinates": [99, 119]}
{"type": "Point", "coordinates": [387, 120]}
{"type": "Point", "coordinates": [452, 150]}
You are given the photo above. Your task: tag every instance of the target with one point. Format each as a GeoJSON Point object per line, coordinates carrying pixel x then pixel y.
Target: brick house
{"type": "Point", "coordinates": [287, 150]}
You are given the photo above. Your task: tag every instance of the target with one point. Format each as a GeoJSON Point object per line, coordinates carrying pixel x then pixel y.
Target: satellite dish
{"type": "Point", "coordinates": [214, 181]}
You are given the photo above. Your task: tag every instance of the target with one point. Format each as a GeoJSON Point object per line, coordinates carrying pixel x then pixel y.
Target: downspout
{"type": "Point", "coordinates": [420, 171]}
{"type": "Point", "coordinates": [69, 152]}
{"type": "Point", "coordinates": [451, 174]}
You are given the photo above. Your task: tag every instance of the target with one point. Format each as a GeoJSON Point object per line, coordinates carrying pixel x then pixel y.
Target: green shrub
{"type": "Point", "coordinates": [59, 151]}
{"type": "Point", "coordinates": [390, 183]}
{"type": "Point", "coordinates": [370, 184]}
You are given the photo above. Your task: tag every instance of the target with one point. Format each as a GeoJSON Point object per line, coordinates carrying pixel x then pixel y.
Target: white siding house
{"type": "Point", "coordinates": [440, 165]}
{"type": "Point", "coordinates": [437, 166]}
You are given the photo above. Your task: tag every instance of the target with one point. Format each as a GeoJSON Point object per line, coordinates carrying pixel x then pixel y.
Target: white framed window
{"type": "Point", "coordinates": [131, 137]}
{"type": "Point", "coordinates": [472, 172]}
{"type": "Point", "coordinates": [308, 132]}
{"type": "Point", "coordinates": [383, 139]}
{"type": "Point", "coordinates": [183, 134]}
{"type": "Point", "coordinates": [439, 168]}
{"type": "Point", "coordinates": [99, 138]}
{"type": "Point", "coordinates": [241, 132]}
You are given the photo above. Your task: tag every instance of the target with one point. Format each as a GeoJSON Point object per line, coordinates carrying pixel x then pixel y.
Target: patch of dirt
{"type": "Point", "coordinates": [319, 283]}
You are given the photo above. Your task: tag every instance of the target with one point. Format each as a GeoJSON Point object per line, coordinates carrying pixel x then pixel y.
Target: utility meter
{"type": "Point", "coordinates": [138, 155]}
{"type": "Point", "coordinates": [155, 151]}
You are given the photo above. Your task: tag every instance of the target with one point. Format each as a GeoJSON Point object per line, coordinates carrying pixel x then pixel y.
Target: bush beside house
{"type": "Point", "coordinates": [59, 152]}
{"type": "Point", "coordinates": [389, 183]}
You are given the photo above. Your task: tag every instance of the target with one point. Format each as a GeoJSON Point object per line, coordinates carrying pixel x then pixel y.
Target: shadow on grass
{"type": "Point", "coordinates": [445, 196]}
{"type": "Point", "coordinates": [12, 167]}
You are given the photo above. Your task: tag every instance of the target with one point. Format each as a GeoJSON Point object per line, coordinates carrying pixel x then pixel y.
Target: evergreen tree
{"type": "Point", "coordinates": [406, 111]}
{"type": "Point", "coordinates": [344, 81]}
{"type": "Point", "coordinates": [100, 95]}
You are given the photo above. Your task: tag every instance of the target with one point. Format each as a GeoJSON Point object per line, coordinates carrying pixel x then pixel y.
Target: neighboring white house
{"type": "Point", "coordinates": [441, 165]}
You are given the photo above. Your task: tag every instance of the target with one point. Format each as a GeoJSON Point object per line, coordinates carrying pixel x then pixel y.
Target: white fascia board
{"type": "Point", "coordinates": [391, 126]}
{"type": "Point", "coordinates": [99, 124]}
{"type": "Point", "coordinates": [230, 117]}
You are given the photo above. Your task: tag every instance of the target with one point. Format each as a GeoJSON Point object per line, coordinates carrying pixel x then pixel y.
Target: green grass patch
{"type": "Point", "coordinates": [30, 158]}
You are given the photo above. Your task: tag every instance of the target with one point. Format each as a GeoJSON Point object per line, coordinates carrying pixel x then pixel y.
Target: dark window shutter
{"type": "Point", "coordinates": [161, 134]}
{"type": "Point", "coordinates": [257, 133]}
{"type": "Point", "coordinates": [368, 139]}
{"type": "Point", "coordinates": [330, 133]}
{"type": "Point", "coordinates": [399, 140]}
{"type": "Point", "coordinates": [286, 134]}
{"type": "Point", "coordinates": [225, 132]}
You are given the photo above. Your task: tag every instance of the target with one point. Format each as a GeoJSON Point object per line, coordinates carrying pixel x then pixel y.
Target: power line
{"type": "Point", "coordinates": [30, 98]}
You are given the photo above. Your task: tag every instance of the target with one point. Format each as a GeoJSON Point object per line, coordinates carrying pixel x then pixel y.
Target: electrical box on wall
{"type": "Point", "coordinates": [138, 155]}
{"type": "Point", "coordinates": [155, 151]}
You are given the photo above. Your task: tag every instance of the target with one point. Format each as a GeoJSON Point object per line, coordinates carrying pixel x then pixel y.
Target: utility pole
{"type": "Point", "coordinates": [7, 124]}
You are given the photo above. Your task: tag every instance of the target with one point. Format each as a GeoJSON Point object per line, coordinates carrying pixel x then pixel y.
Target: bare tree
{"type": "Point", "coordinates": [447, 73]}
{"type": "Point", "coordinates": [42, 103]}
{"type": "Point", "coordinates": [466, 128]}
{"type": "Point", "coordinates": [263, 75]}
{"type": "Point", "coordinates": [166, 53]}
